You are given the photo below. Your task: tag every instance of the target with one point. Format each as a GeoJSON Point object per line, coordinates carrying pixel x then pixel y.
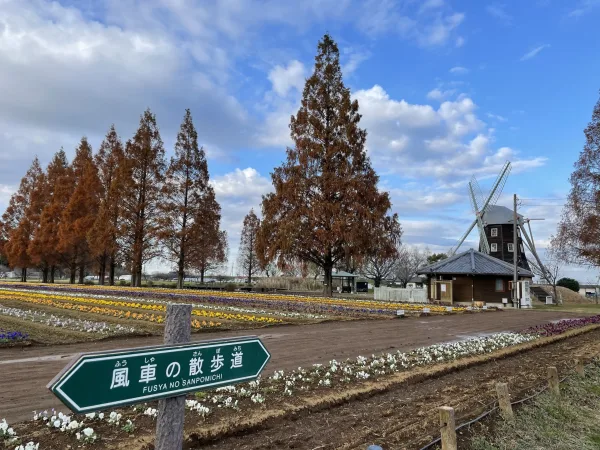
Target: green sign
{"type": "Point", "coordinates": [95, 381]}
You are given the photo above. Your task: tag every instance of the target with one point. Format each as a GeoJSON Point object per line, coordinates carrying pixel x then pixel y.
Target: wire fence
{"type": "Point", "coordinates": [494, 407]}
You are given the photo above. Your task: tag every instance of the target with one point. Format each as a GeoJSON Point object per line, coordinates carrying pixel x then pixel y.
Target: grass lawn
{"type": "Point", "coordinates": [571, 422]}
{"type": "Point", "coordinates": [590, 308]}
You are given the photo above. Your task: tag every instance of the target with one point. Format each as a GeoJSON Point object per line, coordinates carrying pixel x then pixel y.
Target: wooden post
{"type": "Point", "coordinates": [448, 428]}
{"type": "Point", "coordinates": [579, 367]}
{"type": "Point", "coordinates": [553, 380]}
{"type": "Point", "coordinates": [171, 411]}
{"type": "Point", "coordinates": [504, 401]}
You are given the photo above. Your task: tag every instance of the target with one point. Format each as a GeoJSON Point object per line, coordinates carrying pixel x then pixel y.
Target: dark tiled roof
{"type": "Point", "coordinates": [473, 263]}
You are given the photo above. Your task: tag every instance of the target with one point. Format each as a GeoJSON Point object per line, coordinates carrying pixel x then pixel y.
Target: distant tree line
{"type": "Point", "coordinates": [119, 207]}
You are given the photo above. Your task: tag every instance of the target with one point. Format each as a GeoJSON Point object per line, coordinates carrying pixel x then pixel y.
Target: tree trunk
{"type": "Point", "coordinates": [73, 270]}
{"type": "Point", "coordinates": [133, 277]}
{"type": "Point", "coordinates": [52, 270]}
{"type": "Point", "coordinates": [81, 273]}
{"type": "Point", "coordinates": [24, 275]}
{"type": "Point", "coordinates": [102, 271]}
{"type": "Point", "coordinates": [202, 276]}
{"type": "Point", "coordinates": [111, 274]}
{"type": "Point", "coordinates": [180, 277]}
{"type": "Point", "coordinates": [139, 276]}
{"type": "Point", "coordinates": [45, 275]}
{"type": "Point", "coordinates": [327, 278]}
{"type": "Point", "coordinates": [377, 281]}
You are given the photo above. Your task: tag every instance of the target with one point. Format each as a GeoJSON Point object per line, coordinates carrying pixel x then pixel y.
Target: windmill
{"type": "Point", "coordinates": [495, 225]}
{"type": "Point", "coordinates": [481, 205]}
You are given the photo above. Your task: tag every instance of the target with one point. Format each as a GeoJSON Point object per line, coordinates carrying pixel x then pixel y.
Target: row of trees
{"type": "Point", "coordinates": [120, 207]}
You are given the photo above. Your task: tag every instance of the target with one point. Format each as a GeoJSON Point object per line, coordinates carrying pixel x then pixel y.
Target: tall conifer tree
{"type": "Point", "coordinates": [326, 206]}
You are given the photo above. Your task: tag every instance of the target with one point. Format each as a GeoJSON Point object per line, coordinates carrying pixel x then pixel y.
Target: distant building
{"type": "Point", "coordinates": [589, 290]}
{"type": "Point", "coordinates": [471, 276]}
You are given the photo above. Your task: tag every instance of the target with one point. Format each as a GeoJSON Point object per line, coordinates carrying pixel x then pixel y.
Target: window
{"type": "Point", "coordinates": [499, 285]}
{"type": "Point", "coordinates": [494, 247]}
{"type": "Point", "coordinates": [510, 247]}
{"type": "Point", "coordinates": [494, 232]}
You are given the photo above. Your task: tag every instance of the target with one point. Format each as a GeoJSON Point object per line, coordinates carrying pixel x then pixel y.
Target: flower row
{"type": "Point", "coordinates": [260, 296]}
{"type": "Point", "coordinates": [550, 329]}
{"type": "Point", "coordinates": [118, 313]}
{"type": "Point", "coordinates": [88, 326]}
{"type": "Point", "coordinates": [12, 336]}
{"type": "Point", "coordinates": [160, 307]}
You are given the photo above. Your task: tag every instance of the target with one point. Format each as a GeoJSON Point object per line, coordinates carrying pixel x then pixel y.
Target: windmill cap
{"type": "Point", "coordinates": [499, 215]}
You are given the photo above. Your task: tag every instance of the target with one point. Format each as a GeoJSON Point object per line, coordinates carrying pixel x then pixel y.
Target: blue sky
{"type": "Point", "coordinates": [447, 89]}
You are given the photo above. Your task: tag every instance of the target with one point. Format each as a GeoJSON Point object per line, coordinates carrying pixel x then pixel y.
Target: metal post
{"type": "Point", "coordinates": [171, 411]}
{"type": "Point", "coordinates": [515, 259]}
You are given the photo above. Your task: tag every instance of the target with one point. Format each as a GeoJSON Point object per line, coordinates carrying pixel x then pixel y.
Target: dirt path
{"type": "Point", "coordinates": [406, 417]}
{"type": "Point", "coordinates": [26, 371]}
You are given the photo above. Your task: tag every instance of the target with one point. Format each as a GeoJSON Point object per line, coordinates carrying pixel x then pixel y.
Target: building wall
{"type": "Point", "coordinates": [505, 237]}
{"type": "Point", "coordinates": [479, 288]}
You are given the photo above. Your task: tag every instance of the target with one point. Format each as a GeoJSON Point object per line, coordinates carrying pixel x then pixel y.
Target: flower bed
{"type": "Point", "coordinates": [87, 326]}
{"type": "Point", "coordinates": [49, 299]}
{"type": "Point", "coordinates": [11, 337]}
{"type": "Point", "coordinates": [211, 406]}
{"type": "Point", "coordinates": [277, 302]}
{"type": "Point", "coordinates": [552, 328]}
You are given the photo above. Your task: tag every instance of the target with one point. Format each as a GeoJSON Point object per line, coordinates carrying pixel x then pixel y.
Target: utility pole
{"type": "Point", "coordinates": [515, 258]}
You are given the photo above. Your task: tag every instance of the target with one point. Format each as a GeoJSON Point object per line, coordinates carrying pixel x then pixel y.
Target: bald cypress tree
{"type": "Point", "coordinates": [143, 178]}
{"type": "Point", "coordinates": [326, 206]}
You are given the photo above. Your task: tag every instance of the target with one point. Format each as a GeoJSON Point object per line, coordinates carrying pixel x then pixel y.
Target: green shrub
{"type": "Point", "coordinates": [569, 283]}
{"type": "Point", "coordinates": [122, 283]}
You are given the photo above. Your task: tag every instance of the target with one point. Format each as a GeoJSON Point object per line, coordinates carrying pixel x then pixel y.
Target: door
{"type": "Point", "coordinates": [445, 291]}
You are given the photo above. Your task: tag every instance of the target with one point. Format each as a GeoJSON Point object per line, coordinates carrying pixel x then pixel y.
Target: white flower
{"type": "Point", "coordinates": [73, 425]}
{"type": "Point", "coordinates": [88, 432]}
{"type": "Point", "coordinates": [101, 416]}
{"type": "Point", "coordinates": [78, 435]}
{"type": "Point", "coordinates": [57, 423]}
{"type": "Point", "coordinates": [90, 415]}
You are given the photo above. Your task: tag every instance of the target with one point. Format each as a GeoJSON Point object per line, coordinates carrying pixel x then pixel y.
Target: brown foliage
{"type": "Point", "coordinates": [80, 213]}
{"type": "Point", "coordinates": [578, 234]}
{"type": "Point", "coordinates": [22, 217]}
{"type": "Point", "coordinates": [144, 171]}
{"type": "Point", "coordinates": [103, 236]}
{"type": "Point", "coordinates": [326, 206]}
{"type": "Point", "coordinates": [248, 261]}
{"type": "Point", "coordinates": [44, 249]}
{"type": "Point", "coordinates": [189, 212]}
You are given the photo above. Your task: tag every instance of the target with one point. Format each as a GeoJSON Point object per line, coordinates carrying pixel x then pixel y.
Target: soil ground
{"type": "Point", "coordinates": [26, 371]}
{"type": "Point", "coordinates": [406, 417]}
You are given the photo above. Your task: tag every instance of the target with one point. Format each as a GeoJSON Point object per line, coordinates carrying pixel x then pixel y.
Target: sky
{"type": "Point", "coordinates": [448, 89]}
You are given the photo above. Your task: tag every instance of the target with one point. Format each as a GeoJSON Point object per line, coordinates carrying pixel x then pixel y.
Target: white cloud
{"type": "Point", "coordinates": [237, 192]}
{"type": "Point", "coordinates": [284, 79]}
{"type": "Point", "coordinates": [459, 70]}
{"type": "Point", "coordinates": [444, 144]}
{"type": "Point", "coordinates": [439, 95]}
{"type": "Point", "coordinates": [532, 53]}
{"type": "Point", "coordinates": [352, 59]}
{"type": "Point", "coordinates": [499, 12]}
{"type": "Point", "coordinates": [583, 7]}
{"type": "Point", "coordinates": [496, 117]}
{"type": "Point", "coordinates": [431, 24]}
{"type": "Point", "coordinates": [460, 41]}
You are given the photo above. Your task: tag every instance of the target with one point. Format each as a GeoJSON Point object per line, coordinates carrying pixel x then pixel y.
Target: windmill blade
{"type": "Point", "coordinates": [482, 237]}
{"type": "Point", "coordinates": [462, 238]}
{"type": "Point", "coordinates": [477, 190]}
{"type": "Point", "coordinates": [496, 190]}
{"type": "Point", "coordinates": [472, 197]}
{"type": "Point", "coordinates": [500, 182]}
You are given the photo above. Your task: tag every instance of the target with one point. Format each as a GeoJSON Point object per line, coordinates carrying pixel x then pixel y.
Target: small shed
{"type": "Point", "coordinates": [345, 280]}
{"type": "Point", "coordinates": [471, 276]}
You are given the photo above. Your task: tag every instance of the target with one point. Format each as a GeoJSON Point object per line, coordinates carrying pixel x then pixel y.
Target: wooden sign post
{"type": "Point", "coordinates": [171, 411]}
{"type": "Point", "coordinates": [100, 380]}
